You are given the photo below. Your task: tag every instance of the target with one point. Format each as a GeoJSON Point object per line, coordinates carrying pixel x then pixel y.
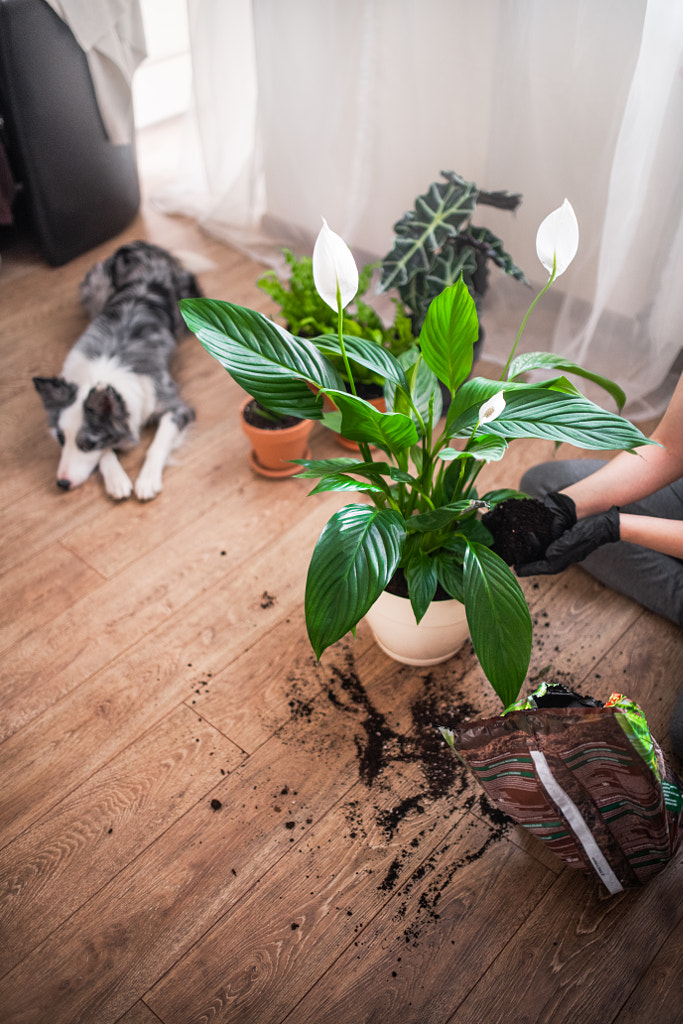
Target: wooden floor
{"type": "Point", "coordinates": [198, 822]}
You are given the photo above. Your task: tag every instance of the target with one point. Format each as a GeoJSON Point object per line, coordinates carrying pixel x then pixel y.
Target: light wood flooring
{"type": "Point", "coordinates": [198, 822]}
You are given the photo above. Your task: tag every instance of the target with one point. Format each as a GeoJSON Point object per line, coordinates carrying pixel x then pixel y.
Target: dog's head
{"type": "Point", "coordinates": [85, 426]}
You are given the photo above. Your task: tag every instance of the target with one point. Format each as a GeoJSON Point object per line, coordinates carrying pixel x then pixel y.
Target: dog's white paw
{"type": "Point", "coordinates": [148, 484]}
{"type": "Point", "coordinates": [118, 485]}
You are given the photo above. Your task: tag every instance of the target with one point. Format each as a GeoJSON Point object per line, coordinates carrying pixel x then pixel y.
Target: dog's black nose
{"type": "Point", "coordinates": [64, 484]}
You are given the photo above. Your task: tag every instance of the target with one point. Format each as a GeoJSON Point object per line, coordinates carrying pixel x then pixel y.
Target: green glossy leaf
{"type": "Point", "coordinates": [420, 573]}
{"type": "Point", "coordinates": [464, 409]}
{"type": "Point", "coordinates": [268, 362]}
{"type": "Point", "coordinates": [440, 517]}
{"type": "Point", "coordinates": [484, 448]}
{"type": "Point", "coordinates": [560, 417]}
{"type": "Point", "coordinates": [362, 422]}
{"type": "Point", "coordinates": [449, 573]}
{"type": "Point", "coordinates": [339, 482]}
{"type": "Point", "coordinates": [448, 335]}
{"type": "Point", "coordinates": [424, 389]}
{"type": "Point", "coordinates": [366, 353]}
{"type": "Point", "coordinates": [548, 360]}
{"type": "Point", "coordinates": [355, 557]}
{"type": "Point", "coordinates": [498, 620]}
{"type": "Point", "coordinates": [502, 494]}
{"type": "Point", "coordinates": [312, 468]}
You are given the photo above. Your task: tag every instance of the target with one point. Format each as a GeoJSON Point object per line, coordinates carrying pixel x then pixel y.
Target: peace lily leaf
{"type": "Point", "coordinates": [440, 517]}
{"type": "Point", "coordinates": [449, 573]}
{"type": "Point", "coordinates": [463, 413]}
{"type": "Point", "coordinates": [485, 448]}
{"type": "Point", "coordinates": [334, 269]}
{"type": "Point", "coordinates": [421, 232]}
{"type": "Point", "coordinates": [559, 417]}
{"type": "Point", "coordinates": [330, 467]}
{"type": "Point", "coordinates": [498, 620]}
{"type": "Point", "coordinates": [420, 574]}
{"type": "Point", "coordinates": [502, 494]}
{"type": "Point", "coordinates": [449, 264]}
{"type": "Point", "coordinates": [362, 422]}
{"type": "Point", "coordinates": [366, 353]}
{"type": "Point", "coordinates": [548, 360]}
{"type": "Point", "coordinates": [424, 389]}
{"type": "Point", "coordinates": [448, 335]}
{"type": "Point", "coordinates": [268, 362]}
{"type": "Point", "coordinates": [339, 482]}
{"type": "Point", "coordinates": [355, 557]}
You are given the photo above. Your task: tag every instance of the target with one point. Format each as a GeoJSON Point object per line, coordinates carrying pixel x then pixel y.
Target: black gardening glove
{"type": "Point", "coordinates": [563, 510]}
{"type": "Point", "coordinates": [575, 544]}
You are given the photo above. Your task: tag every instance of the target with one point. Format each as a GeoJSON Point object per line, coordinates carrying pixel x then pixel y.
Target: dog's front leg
{"type": "Point", "coordinates": [116, 481]}
{"type": "Point", "coordinates": [167, 437]}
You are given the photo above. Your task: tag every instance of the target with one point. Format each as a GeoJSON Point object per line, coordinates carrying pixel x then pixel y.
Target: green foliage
{"type": "Point", "coordinates": [306, 315]}
{"type": "Point", "coordinates": [422, 509]}
{"type": "Point", "coordinates": [436, 244]}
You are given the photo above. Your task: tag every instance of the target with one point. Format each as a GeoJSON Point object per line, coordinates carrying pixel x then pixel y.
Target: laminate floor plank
{"type": "Point", "coordinates": [51, 870]}
{"type": "Point", "coordinates": [661, 987]}
{"type": "Point", "coordinates": [98, 718]}
{"type": "Point", "coordinates": [580, 954]}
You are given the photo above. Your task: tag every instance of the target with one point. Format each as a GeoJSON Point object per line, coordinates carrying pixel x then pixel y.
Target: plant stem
{"type": "Point", "coordinates": [526, 317]}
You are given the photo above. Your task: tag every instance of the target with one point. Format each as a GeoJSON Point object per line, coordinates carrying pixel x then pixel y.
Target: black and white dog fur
{"type": "Point", "coordinates": [116, 378]}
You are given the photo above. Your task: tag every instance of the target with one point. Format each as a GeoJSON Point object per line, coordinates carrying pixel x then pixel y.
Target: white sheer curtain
{"type": "Point", "coordinates": [348, 109]}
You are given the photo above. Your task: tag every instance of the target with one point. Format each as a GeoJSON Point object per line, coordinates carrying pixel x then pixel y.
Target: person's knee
{"type": "Point", "coordinates": [556, 475]}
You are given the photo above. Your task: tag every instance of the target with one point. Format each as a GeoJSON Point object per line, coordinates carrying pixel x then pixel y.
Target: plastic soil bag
{"type": "Point", "coordinates": [587, 779]}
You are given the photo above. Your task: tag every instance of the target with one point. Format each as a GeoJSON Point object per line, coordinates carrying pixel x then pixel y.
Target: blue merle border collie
{"type": "Point", "coordinates": [116, 379]}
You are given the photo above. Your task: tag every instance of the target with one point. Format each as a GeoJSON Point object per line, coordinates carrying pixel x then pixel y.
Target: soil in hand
{"type": "Point", "coordinates": [521, 529]}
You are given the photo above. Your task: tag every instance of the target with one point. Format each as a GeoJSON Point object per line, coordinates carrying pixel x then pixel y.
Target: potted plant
{"type": "Point", "coordinates": [304, 313]}
{"type": "Point", "coordinates": [436, 244]}
{"type": "Point", "coordinates": [276, 439]}
{"type": "Point", "coordinates": [420, 513]}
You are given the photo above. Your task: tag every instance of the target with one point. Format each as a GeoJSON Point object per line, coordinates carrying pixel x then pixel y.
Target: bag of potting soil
{"type": "Point", "coordinates": [587, 779]}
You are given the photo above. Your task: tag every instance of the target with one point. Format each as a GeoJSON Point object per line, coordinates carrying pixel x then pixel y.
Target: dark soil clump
{"type": "Point", "coordinates": [264, 419]}
{"type": "Point", "coordinates": [521, 529]}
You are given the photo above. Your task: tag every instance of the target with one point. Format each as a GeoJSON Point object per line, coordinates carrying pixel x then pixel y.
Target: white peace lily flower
{"type": "Point", "coordinates": [334, 266]}
{"type": "Point", "coordinates": [492, 409]}
{"type": "Point", "coordinates": [558, 239]}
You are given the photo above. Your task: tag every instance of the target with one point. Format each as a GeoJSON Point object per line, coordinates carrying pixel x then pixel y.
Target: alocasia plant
{"type": "Point", "coordinates": [420, 512]}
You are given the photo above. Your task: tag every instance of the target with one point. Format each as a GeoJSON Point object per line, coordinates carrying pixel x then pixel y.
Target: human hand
{"type": "Point", "coordinates": [575, 544]}
{"type": "Point", "coordinates": [563, 510]}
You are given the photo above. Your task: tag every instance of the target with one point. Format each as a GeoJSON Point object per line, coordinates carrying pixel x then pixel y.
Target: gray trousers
{"type": "Point", "coordinates": [650, 578]}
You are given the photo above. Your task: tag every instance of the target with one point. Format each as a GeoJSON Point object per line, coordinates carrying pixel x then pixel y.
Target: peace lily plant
{"type": "Point", "coordinates": [416, 472]}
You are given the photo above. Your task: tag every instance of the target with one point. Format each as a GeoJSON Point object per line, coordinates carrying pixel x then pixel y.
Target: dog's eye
{"type": "Point", "coordinates": [60, 436]}
{"type": "Point", "coordinates": [85, 444]}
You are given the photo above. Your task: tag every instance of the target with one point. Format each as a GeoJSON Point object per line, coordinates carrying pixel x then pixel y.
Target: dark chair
{"type": "Point", "coordinates": [76, 188]}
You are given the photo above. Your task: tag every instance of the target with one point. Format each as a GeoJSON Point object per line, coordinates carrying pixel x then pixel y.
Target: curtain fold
{"type": "Point", "coordinates": [348, 109]}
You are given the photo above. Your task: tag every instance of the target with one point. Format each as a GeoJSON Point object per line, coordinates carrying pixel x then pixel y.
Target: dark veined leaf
{"type": "Point", "coordinates": [498, 620]}
{"type": "Point", "coordinates": [560, 417]}
{"type": "Point", "coordinates": [268, 362]}
{"type": "Point", "coordinates": [355, 557]}
{"type": "Point", "coordinates": [493, 248]}
{"type": "Point", "coordinates": [548, 360]}
{"type": "Point", "coordinates": [420, 574]}
{"type": "Point", "coordinates": [448, 266]}
{"type": "Point", "coordinates": [366, 353]}
{"type": "Point", "coordinates": [438, 214]}
{"type": "Point", "coordinates": [448, 335]}
{"type": "Point", "coordinates": [362, 422]}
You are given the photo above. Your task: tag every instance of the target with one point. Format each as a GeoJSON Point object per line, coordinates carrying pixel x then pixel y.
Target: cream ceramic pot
{"type": "Point", "coordinates": [438, 636]}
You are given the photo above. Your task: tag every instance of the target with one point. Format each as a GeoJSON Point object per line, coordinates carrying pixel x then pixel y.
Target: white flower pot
{"type": "Point", "coordinates": [438, 636]}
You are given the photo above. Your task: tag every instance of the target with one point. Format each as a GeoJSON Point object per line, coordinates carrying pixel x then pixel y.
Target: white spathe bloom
{"type": "Point", "coordinates": [492, 409]}
{"type": "Point", "coordinates": [334, 267]}
{"type": "Point", "coordinates": [557, 239]}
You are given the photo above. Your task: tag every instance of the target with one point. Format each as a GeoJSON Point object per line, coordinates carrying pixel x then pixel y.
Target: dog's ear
{"type": "Point", "coordinates": [106, 414]}
{"type": "Point", "coordinates": [55, 392]}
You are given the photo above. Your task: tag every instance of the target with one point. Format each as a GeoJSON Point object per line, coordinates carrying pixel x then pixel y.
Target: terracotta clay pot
{"type": "Point", "coordinates": [272, 449]}
{"type": "Point", "coordinates": [438, 636]}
